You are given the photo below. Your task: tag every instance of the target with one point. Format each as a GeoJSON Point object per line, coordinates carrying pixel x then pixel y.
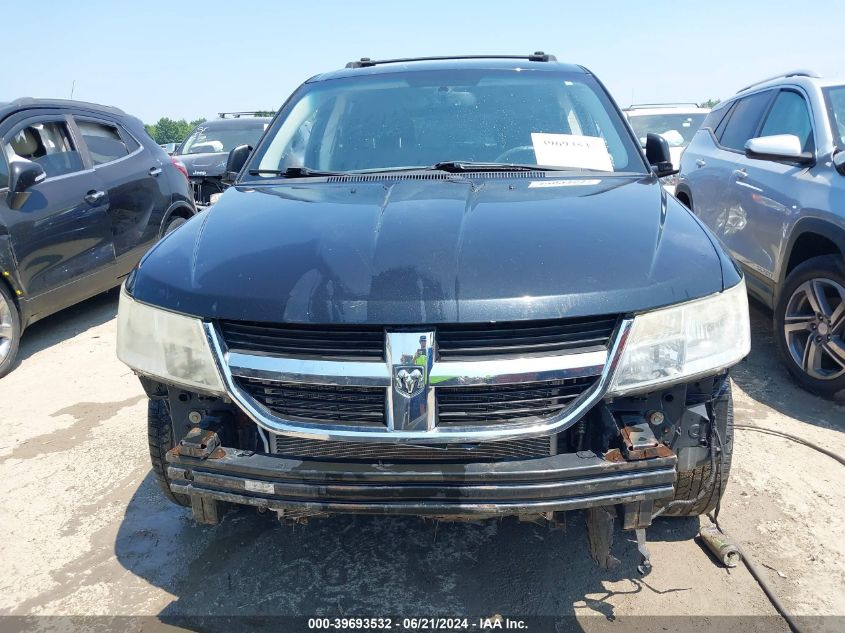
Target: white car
{"type": "Point", "coordinates": [675, 122]}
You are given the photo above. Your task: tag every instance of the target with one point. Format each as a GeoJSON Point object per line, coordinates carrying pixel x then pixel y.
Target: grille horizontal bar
{"type": "Point", "coordinates": [333, 342]}
{"type": "Point", "coordinates": [360, 406]}
{"type": "Point", "coordinates": [470, 341]}
{"type": "Point", "coordinates": [467, 406]}
{"type": "Point", "coordinates": [528, 448]}
{"type": "Point", "coordinates": [454, 341]}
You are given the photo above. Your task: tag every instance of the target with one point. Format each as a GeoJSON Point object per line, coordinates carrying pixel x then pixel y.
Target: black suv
{"type": "Point", "coordinates": [442, 287]}
{"type": "Point", "coordinates": [84, 192]}
{"type": "Point", "coordinates": [206, 149]}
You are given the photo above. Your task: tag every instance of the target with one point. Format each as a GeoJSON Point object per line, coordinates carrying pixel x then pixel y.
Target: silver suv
{"type": "Point", "coordinates": [766, 172]}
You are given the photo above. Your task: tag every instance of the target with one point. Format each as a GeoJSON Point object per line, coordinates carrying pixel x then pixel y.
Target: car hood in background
{"type": "Point", "coordinates": [429, 251]}
{"type": "Point", "coordinates": [204, 165]}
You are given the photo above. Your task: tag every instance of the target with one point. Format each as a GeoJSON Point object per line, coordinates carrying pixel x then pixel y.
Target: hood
{"type": "Point", "coordinates": [204, 165]}
{"type": "Point", "coordinates": [430, 251]}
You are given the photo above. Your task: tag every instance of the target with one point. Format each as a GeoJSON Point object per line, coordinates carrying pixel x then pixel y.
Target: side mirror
{"type": "Point", "coordinates": [236, 161]}
{"type": "Point", "coordinates": [657, 153]}
{"type": "Point", "coordinates": [23, 175]}
{"type": "Point", "coordinates": [779, 147]}
{"type": "Point", "coordinates": [839, 161]}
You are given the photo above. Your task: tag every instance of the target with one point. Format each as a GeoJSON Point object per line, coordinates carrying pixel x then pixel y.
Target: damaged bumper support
{"type": "Point", "coordinates": [564, 482]}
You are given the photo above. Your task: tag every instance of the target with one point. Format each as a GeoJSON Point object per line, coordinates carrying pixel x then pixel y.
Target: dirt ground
{"type": "Point", "coordinates": [85, 530]}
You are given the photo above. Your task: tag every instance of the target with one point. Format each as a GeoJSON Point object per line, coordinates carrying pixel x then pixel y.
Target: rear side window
{"type": "Point", "coordinates": [48, 144]}
{"type": "Point", "coordinates": [789, 115]}
{"type": "Point", "coordinates": [744, 120]}
{"type": "Point", "coordinates": [711, 122]}
{"type": "Point", "coordinates": [104, 142]}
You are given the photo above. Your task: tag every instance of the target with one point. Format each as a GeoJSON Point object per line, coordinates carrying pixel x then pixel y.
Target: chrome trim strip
{"type": "Point", "coordinates": [519, 370]}
{"type": "Point", "coordinates": [572, 363]}
{"type": "Point", "coordinates": [314, 372]}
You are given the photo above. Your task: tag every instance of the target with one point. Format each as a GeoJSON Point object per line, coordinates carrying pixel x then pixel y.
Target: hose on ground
{"type": "Point", "coordinates": [794, 438]}
{"type": "Point", "coordinates": [752, 567]}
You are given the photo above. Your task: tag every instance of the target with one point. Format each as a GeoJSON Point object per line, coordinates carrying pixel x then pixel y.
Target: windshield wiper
{"type": "Point", "coordinates": [458, 166]}
{"type": "Point", "coordinates": [295, 172]}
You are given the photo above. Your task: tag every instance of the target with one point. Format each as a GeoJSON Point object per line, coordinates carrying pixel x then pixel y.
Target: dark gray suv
{"type": "Point", "coordinates": [766, 172]}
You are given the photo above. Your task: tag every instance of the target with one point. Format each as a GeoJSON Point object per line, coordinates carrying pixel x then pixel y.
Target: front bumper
{"type": "Point", "coordinates": [563, 482]}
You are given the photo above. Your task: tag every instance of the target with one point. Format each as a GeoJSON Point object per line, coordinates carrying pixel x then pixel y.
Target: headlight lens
{"type": "Point", "coordinates": [692, 339]}
{"type": "Point", "coordinates": [165, 345]}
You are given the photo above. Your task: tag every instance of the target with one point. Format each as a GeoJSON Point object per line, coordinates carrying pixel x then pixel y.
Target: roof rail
{"type": "Point", "coordinates": [635, 106]}
{"type": "Point", "coordinates": [238, 115]}
{"type": "Point", "coordinates": [366, 62]}
{"type": "Point", "coordinates": [791, 73]}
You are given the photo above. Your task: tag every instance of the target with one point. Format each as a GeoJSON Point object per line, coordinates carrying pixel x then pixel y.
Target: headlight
{"type": "Point", "coordinates": [685, 341]}
{"type": "Point", "coordinates": [165, 345]}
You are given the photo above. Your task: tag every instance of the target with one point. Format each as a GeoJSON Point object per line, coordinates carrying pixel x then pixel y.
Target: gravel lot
{"type": "Point", "coordinates": [85, 530]}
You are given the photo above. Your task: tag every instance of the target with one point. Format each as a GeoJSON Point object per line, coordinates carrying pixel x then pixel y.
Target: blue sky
{"type": "Point", "coordinates": [190, 59]}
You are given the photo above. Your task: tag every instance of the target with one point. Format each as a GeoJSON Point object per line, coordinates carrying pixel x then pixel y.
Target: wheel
{"type": "Point", "coordinates": [809, 323]}
{"type": "Point", "coordinates": [691, 483]}
{"type": "Point", "coordinates": [161, 439]}
{"type": "Point", "coordinates": [10, 330]}
{"type": "Point", "coordinates": [174, 223]}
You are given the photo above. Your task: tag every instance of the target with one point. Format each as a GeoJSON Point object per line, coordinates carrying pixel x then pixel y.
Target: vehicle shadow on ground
{"type": "Point", "coordinates": [763, 376]}
{"type": "Point", "coordinates": [67, 324]}
{"type": "Point", "coordinates": [252, 566]}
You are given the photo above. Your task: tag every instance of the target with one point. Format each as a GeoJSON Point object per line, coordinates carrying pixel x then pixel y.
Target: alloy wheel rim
{"type": "Point", "coordinates": [814, 327]}
{"type": "Point", "coordinates": [6, 328]}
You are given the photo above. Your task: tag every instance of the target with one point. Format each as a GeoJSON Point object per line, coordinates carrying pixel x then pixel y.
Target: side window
{"type": "Point", "coordinates": [744, 119]}
{"type": "Point", "coordinates": [48, 144]}
{"type": "Point", "coordinates": [104, 141]}
{"type": "Point", "coordinates": [789, 115]}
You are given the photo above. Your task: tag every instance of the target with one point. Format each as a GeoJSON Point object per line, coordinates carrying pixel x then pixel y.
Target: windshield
{"type": "Point", "coordinates": [207, 139]}
{"type": "Point", "coordinates": [836, 110]}
{"type": "Point", "coordinates": [421, 118]}
{"type": "Point", "coordinates": [677, 129]}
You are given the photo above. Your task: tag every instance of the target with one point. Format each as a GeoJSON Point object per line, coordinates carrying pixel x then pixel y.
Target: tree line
{"type": "Point", "coordinates": [167, 130]}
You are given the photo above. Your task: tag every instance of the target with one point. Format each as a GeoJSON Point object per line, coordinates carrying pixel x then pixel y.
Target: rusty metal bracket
{"type": "Point", "coordinates": [200, 443]}
{"type": "Point", "coordinates": [638, 442]}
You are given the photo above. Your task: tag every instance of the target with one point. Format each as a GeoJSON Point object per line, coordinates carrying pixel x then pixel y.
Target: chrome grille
{"type": "Point", "coordinates": [528, 448]}
{"type": "Point", "coordinates": [359, 406]}
{"type": "Point", "coordinates": [507, 403]}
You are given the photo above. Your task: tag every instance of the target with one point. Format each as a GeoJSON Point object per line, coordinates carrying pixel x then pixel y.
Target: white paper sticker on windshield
{"type": "Point", "coordinates": [562, 183]}
{"type": "Point", "coordinates": [571, 150]}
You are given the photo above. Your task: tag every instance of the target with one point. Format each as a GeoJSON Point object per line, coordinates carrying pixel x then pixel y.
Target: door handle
{"type": "Point", "coordinates": [700, 163]}
{"type": "Point", "coordinates": [155, 171]}
{"type": "Point", "coordinates": [739, 174]}
{"type": "Point", "coordinates": [94, 196]}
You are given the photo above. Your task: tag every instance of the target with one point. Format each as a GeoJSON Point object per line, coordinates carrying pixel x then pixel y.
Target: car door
{"type": "Point", "coordinates": [131, 178]}
{"type": "Point", "coordinates": [728, 216]}
{"type": "Point", "coordinates": [765, 190]}
{"type": "Point", "coordinates": [704, 167]}
{"type": "Point", "coordinates": [60, 235]}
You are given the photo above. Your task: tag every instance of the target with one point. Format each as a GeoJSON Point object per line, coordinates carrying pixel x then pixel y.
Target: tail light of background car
{"type": "Point", "coordinates": [178, 164]}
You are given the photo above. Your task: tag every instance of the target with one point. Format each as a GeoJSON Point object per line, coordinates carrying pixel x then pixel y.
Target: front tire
{"type": "Point", "coordinates": [10, 330]}
{"type": "Point", "coordinates": [692, 483]}
{"type": "Point", "coordinates": [162, 439]}
{"type": "Point", "coordinates": [809, 323]}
